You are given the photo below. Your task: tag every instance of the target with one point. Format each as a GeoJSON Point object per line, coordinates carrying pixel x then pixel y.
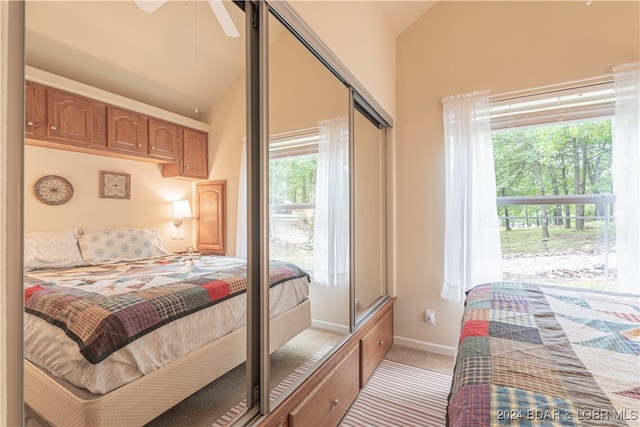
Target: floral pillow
{"type": "Point", "coordinates": [52, 249]}
{"type": "Point", "coordinates": [101, 245]}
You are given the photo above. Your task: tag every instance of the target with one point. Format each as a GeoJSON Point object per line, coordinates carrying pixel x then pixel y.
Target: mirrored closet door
{"type": "Point", "coordinates": [308, 198]}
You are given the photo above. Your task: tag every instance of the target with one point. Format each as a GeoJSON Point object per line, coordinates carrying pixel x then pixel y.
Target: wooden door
{"type": "Point", "coordinates": [194, 154]}
{"type": "Point", "coordinates": [35, 112]}
{"type": "Point", "coordinates": [127, 131]}
{"type": "Point", "coordinates": [211, 217]}
{"type": "Point", "coordinates": [162, 140]}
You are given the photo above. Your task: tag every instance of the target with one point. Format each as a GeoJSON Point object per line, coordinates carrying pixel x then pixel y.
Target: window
{"type": "Point", "coordinates": [553, 165]}
{"type": "Point", "coordinates": [292, 173]}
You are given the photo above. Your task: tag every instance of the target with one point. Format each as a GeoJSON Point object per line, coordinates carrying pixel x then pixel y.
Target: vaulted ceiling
{"type": "Point", "coordinates": [177, 58]}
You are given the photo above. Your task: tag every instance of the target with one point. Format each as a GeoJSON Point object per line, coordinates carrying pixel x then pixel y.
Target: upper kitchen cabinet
{"type": "Point", "coordinates": [127, 131]}
{"type": "Point", "coordinates": [59, 119]}
{"type": "Point", "coordinates": [35, 110]}
{"type": "Point", "coordinates": [192, 161]}
{"type": "Point", "coordinates": [74, 119]}
{"type": "Point", "coordinates": [163, 140]}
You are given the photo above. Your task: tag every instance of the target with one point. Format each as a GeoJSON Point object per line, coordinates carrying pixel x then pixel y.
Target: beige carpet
{"type": "Point", "coordinates": [400, 395]}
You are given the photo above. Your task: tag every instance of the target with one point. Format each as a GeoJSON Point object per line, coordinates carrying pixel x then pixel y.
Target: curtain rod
{"type": "Point", "coordinates": [555, 87]}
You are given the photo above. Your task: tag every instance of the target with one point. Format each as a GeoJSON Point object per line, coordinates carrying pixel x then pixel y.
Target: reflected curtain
{"type": "Point", "coordinates": [331, 231]}
{"type": "Point", "coordinates": [626, 175]}
{"type": "Point", "coordinates": [241, 224]}
{"type": "Point", "coordinates": [472, 253]}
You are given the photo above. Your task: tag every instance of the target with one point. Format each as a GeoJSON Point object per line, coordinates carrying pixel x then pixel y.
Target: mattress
{"type": "Point", "coordinates": [545, 355]}
{"type": "Point", "coordinates": [54, 343]}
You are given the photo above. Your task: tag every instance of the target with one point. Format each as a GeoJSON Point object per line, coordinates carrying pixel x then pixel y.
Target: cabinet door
{"type": "Point", "coordinates": [127, 131]}
{"type": "Point", "coordinates": [69, 117]}
{"type": "Point", "coordinates": [331, 399]}
{"type": "Point", "coordinates": [162, 140]}
{"type": "Point", "coordinates": [35, 112]}
{"type": "Point", "coordinates": [374, 345]}
{"type": "Point", "coordinates": [211, 216]}
{"type": "Point", "coordinates": [194, 154]}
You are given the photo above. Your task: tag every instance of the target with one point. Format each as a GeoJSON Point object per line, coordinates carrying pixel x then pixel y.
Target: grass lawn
{"type": "Point", "coordinates": [529, 240]}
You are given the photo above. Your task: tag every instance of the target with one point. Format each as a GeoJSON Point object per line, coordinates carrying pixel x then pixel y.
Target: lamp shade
{"type": "Point", "coordinates": [181, 209]}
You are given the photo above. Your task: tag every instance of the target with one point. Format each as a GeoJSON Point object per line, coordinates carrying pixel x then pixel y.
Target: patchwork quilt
{"type": "Point", "coordinates": [533, 355]}
{"type": "Point", "coordinates": [105, 307]}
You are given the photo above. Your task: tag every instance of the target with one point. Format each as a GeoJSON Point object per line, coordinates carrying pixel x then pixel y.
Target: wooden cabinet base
{"type": "Point", "coordinates": [331, 399]}
{"type": "Point", "coordinates": [326, 396]}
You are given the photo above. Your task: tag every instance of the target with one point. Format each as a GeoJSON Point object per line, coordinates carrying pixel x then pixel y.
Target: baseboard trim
{"type": "Point", "coordinates": [425, 346]}
{"type": "Point", "coordinates": [329, 325]}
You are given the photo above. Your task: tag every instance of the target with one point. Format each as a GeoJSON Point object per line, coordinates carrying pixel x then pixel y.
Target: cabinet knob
{"type": "Point", "coordinates": [186, 167]}
{"type": "Point", "coordinates": [381, 343]}
{"type": "Point", "coordinates": [153, 148]}
{"type": "Point", "coordinates": [53, 127]}
{"type": "Point", "coordinates": [139, 145]}
{"type": "Point", "coordinates": [30, 123]}
{"type": "Point", "coordinates": [335, 402]}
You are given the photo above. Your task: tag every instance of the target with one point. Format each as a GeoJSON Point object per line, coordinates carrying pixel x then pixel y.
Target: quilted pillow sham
{"type": "Point", "coordinates": [52, 249]}
{"type": "Point", "coordinates": [102, 245]}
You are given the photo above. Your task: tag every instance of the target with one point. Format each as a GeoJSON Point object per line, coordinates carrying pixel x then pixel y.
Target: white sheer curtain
{"type": "Point", "coordinates": [472, 252]}
{"type": "Point", "coordinates": [331, 233]}
{"type": "Point", "coordinates": [241, 225]}
{"type": "Point", "coordinates": [626, 175]}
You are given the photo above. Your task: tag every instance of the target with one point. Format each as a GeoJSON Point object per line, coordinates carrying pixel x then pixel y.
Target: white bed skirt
{"type": "Point", "coordinates": [140, 401]}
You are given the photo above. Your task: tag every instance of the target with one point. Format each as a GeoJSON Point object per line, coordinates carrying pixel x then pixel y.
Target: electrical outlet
{"type": "Point", "coordinates": [174, 234]}
{"type": "Point", "coordinates": [430, 316]}
{"type": "Point", "coordinates": [181, 233]}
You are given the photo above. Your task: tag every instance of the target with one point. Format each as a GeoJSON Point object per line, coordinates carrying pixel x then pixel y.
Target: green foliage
{"type": "Point", "coordinates": [579, 150]}
{"type": "Point", "coordinates": [561, 240]}
{"type": "Point", "coordinates": [563, 159]}
{"type": "Point", "coordinates": [293, 179]}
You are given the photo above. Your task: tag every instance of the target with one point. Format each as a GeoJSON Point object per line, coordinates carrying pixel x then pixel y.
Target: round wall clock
{"type": "Point", "coordinates": [53, 190]}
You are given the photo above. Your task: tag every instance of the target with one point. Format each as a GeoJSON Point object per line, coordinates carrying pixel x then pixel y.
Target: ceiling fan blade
{"type": "Point", "coordinates": [149, 6]}
{"type": "Point", "coordinates": [224, 18]}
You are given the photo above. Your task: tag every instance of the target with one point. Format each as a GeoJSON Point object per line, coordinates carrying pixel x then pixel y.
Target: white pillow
{"type": "Point", "coordinates": [120, 244]}
{"type": "Point", "coordinates": [52, 249]}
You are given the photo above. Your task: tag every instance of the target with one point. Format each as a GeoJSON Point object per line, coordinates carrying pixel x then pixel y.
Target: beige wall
{"type": "Point", "coordinates": [360, 37]}
{"type": "Point", "coordinates": [151, 194]}
{"type": "Point", "coordinates": [148, 207]}
{"type": "Point", "coordinates": [228, 123]}
{"type": "Point", "coordinates": [458, 47]}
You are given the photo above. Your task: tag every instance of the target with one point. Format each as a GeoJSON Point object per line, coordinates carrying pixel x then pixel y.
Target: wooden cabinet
{"type": "Point", "coordinates": [327, 394]}
{"type": "Point", "coordinates": [192, 156]}
{"type": "Point", "coordinates": [35, 113]}
{"type": "Point", "coordinates": [332, 397]}
{"type": "Point", "coordinates": [58, 119]}
{"type": "Point", "coordinates": [211, 217]}
{"type": "Point", "coordinates": [74, 119]}
{"type": "Point", "coordinates": [374, 345]}
{"type": "Point", "coordinates": [163, 140]}
{"type": "Point", "coordinates": [127, 131]}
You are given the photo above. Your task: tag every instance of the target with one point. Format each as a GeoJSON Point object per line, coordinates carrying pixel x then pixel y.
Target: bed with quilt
{"type": "Point", "coordinates": [544, 355]}
{"type": "Point", "coordinates": [120, 330]}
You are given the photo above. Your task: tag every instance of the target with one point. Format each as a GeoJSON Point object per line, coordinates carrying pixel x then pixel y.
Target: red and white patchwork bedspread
{"type": "Point", "coordinates": [103, 308]}
{"type": "Point", "coordinates": [534, 355]}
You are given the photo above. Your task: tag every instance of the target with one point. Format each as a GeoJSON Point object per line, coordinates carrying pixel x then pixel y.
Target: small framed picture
{"type": "Point", "coordinates": [115, 185]}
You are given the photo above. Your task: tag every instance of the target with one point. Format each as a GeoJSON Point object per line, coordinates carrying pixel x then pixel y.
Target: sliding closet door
{"type": "Point", "coordinates": [309, 201]}
{"type": "Point", "coordinates": [179, 60]}
{"type": "Point", "coordinates": [369, 211]}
